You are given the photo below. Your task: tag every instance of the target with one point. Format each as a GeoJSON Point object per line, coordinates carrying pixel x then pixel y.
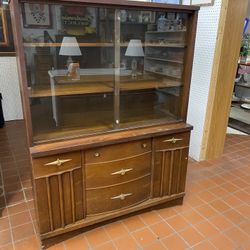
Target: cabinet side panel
{"type": "Point", "coordinates": [78, 194]}
{"type": "Point", "coordinates": [183, 170]}
{"type": "Point", "coordinates": [55, 201]}
{"type": "Point", "coordinates": [42, 205]}
{"type": "Point", "coordinates": [66, 186]}
{"type": "Point", "coordinates": [158, 161]}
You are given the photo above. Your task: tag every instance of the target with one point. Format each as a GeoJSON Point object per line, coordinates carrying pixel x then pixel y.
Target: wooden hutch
{"type": "Point", "coordinates": [109, 138]}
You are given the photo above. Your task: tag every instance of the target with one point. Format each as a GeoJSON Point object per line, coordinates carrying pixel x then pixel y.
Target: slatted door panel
{"type": "Point", "coordinates": [170, 171]}
{"type": "Point", "coordinates": [60, 200]}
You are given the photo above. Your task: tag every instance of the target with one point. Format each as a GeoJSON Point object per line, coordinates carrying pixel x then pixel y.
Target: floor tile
{"type": "Point", "coordinates": [22, 232]}
{"type": "Point", "coordinates": [78, 242]}
{"type": "Point", "coordinates": [125, 243]}
{"type": "Point", "coordinates": [116, 230]}
{"type": "Point", "coordinates": [191, 236]}
{"type": "Point", "coordinates": [162, 229]}
{"type": "Point", "coordinates": [178, 223]}
{"type": "Point", "coordinates": [97, 236]}
{"type": "Point", "coordinates": [144, 236]}
{"type": "Point", "coordinates": [133, 223]}
{"type": "Point", "coordinates": [5, 237]}
{"type": "Point", "coordinates": [174, 242]}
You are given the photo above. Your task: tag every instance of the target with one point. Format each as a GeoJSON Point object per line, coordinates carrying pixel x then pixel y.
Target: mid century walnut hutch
{"type": "Point", "coordinates": [105, 87]}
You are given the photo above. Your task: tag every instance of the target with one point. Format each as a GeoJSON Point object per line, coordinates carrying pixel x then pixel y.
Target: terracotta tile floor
{"type": "Point", "coordinates": [215, 213]}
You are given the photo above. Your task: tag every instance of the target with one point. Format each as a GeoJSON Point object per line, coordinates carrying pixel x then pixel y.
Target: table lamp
{"type": "Point", "coordinates": [70, 47]}
{"type": "Point", "coordinates": [134, 50]}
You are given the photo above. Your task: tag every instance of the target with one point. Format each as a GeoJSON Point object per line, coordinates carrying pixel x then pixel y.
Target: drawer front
{"type": "Point", "coordinates": [118, 151]}
{"type": "Point", "coordinates": [115, 172]}
{"type": "Point", "coordinates": [105, 200]}
{"type": "Point", "coordinates": [56, 163]}
{"type": "Point", "coordinates": [172, 141]}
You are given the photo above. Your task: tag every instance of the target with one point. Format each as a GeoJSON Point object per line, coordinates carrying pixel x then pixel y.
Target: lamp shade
{"type": "Point", "coordinates": [70, 47]}
{"type": "Point", "coordinates": [134, 48]}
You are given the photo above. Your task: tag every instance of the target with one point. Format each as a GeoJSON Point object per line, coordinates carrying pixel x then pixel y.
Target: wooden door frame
{"type": "Point", "coordinates": [231, 23]}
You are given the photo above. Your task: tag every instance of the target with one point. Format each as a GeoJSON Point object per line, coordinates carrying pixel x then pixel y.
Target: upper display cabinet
{"type": "Point", "coordinates": [94, 67]}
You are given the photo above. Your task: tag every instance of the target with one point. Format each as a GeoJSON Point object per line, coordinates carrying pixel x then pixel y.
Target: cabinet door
{"type": "Point", "coordinates": [170, 171]}
{"type": "Point", "coordinates": [59, 199]}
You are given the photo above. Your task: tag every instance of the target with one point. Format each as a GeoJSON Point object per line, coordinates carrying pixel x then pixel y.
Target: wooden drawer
{"type": "Point", "coordinates": [115, 172]}
{"type": "Point", "coordinates": [56, 163]}
{"type": "Point", "coordinates": [105, 200]}
{"type": "Point", "coordinates": [172, 141]}
{"type": "Point", "coordinates": [118, 151]}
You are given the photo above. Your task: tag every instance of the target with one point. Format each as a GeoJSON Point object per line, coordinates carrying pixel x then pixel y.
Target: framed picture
{"type": "Point", "coordinates": [37, 15]}
{"type": "Point", "coordinates": [4, 38]}
{"type": "Point", "coordinates": [148, 16]}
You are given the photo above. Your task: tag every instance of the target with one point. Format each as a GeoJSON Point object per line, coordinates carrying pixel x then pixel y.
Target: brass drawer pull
{"type": "Point", "coordinates": [144, 145]}
{"type": "Point", "coordinates": [121, 197]}
{"type": "Point", "coordinates": [97, 154]}
{"type": "Point", "coordinates": [58, 162]}
{"type": "Point", "coordinates": [122, 171]}
{"type": "Point", "coordinates": [173, 140]}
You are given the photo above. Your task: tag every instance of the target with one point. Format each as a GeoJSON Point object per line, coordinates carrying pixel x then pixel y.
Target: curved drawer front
{"type": "Point", "coordinates": [103, 200]}
{"type": "Point", "coordinates": [115, 172]}
{"type": "Point", "coordinates": [172, 141]}
{"type": "Point", "coordinates": [57, 163]}
{"type": "Point", "coordinates": [118, 151]}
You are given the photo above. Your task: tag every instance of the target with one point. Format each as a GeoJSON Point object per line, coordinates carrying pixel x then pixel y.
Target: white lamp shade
{"type": "Point", "coordinates": [70, 47]}
{"type": "Point", "coordinates": [134, 48]}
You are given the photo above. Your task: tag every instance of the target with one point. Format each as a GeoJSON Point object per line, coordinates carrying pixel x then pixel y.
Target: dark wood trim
{"type": "Point", "coordinates": [121, 3]}
{"type": "Point", "coordinates": [106, 139]}
{"type": "Point", "coordinates": [7, 54]}
{"type": "Point", "coordinates": [17, 29]}
{"type": "Point", "coordinates": [189, 63]}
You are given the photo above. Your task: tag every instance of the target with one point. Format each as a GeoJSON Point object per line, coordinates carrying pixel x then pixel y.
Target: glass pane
{"type": "Point", "coordinates": [152, 52]}
{"type": "Point", "coordinates": [69, 52]}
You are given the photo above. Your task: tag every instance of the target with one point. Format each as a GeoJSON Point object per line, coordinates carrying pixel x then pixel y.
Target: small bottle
{"type": "Point", "coordinates": [162, 24]}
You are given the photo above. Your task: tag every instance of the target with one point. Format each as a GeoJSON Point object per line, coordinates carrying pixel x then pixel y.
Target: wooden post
{"type": "Point", "coordinates": [227, 50]}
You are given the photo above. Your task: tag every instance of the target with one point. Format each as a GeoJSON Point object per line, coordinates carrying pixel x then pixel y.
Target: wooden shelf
{"type": "Point", "coordinates": [65, 89]}
{"type": "Point", "coordinates": [164, 74]}
{"type": "Point", "coordinates": [163, 60]}
{"type": "Point", "coordinates": [171, 45]}
{"type": "Point", "coordinates": [59, 44]}
{"type": "Point", "coordinates": [162, 32]}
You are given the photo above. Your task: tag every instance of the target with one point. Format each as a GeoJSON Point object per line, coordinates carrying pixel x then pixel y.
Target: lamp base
{"type": "Point", "coordinates": [134, 68]}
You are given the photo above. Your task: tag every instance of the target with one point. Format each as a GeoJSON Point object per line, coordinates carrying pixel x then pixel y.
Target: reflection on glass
{"type": "Point", "coordinates": [92, 69]}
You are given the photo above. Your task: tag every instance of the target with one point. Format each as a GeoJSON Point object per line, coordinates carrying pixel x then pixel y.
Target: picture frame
{"type": "Point", "coordinates": [148, 16]}
{"type": "Point", "coordinates": [37, 15]}
{"type": "Point", "coordinates": [4, 37]}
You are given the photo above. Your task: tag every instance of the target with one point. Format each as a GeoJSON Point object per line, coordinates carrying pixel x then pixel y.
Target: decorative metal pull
{"type": "Point", "coordinates": [97, 154]}
{"type": "Point", "coordinates": [122, 171]}
{"type": "Point", "coordinates": [173, 140]}
{"type": "Point", "coordinates": [58, 162]}
{"type": "Point", "coordinates": [144, 145]}
{"type": "Point", "coordinates": [121, 197]}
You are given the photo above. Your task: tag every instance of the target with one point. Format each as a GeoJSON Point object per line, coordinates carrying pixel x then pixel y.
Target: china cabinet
{"type": "Point", "coordinates": [105, 87]}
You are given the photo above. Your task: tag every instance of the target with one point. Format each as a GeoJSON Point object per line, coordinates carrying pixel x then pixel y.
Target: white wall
{"type": "Point", "coordinates": [9, 87]}
{"type": "Point", "coordinates": [201, 76]}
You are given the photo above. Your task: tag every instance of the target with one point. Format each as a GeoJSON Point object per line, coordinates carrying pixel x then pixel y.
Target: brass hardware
{"type": "Point", "coordinates": [58, 162]}
{"type": "Point", "coordinates": [122, 171]}
{"type": "Point", "coordinates": [97, 154]}
{"type": "Point", "coordinates": [121, 197]}
{"type": "Point", "coordinates": [186, 158]}
{"type": "Point", "coordinates": [144, 145]}
{"type": "Point", "coordinates": [173, 140]}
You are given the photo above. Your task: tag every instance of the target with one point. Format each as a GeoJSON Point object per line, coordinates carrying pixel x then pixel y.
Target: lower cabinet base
{"type": "Point", "coordinates": [92, 222]}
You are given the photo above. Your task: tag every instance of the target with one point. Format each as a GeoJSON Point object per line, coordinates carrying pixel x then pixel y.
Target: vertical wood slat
{"type": "Point", "coordinates": [61, 200]}
{"type": "Point", "coordinates": [171, 171]}
{"type": "Point", "coordinates": [49, 204]}
{"type": "Point", "coordinates": [179, 170]}
{"type": "Point", "coordinates": [72, 197]}
{"type": "Point", "coordinates": [162, 172]}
